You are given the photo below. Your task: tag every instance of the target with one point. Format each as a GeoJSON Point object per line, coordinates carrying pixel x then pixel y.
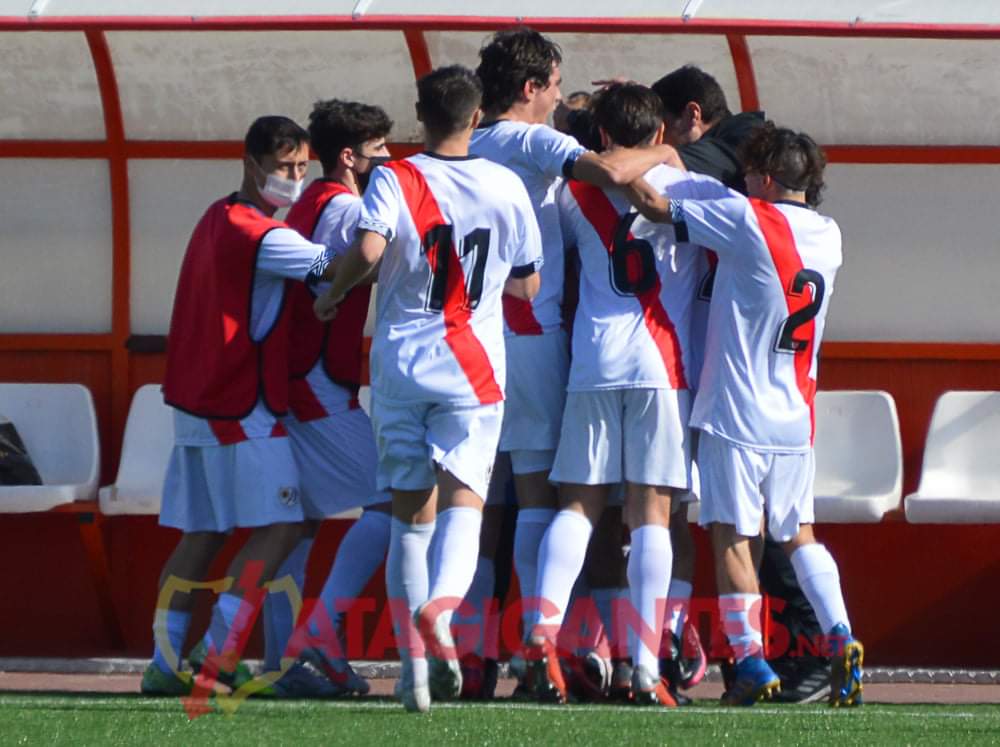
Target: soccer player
{"type": "Point", "coordinates": [331, 437]}
{"type": "Point", "coordinates": [709, 138]}
{"type": "Point", "coordinates": [520, 73]}
{"type": "Point", "coordinates": [453, 232]}
{"type": "Point", "coordinates": [227, 379]}
{"type": "Point", "coordinates": [777, 261]}
{"type": "Point", "coordinates": [628, 402]}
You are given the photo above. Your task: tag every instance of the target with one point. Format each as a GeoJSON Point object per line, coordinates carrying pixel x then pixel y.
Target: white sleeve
{"type": "Point", "coordinates": [338, 224]}
{"type": "Point", "coordinates": [526, 250]}
{"type": "Point", "coordinates": [381, 204]}
{"type": "Point", "coordinates": [553, 152]}
{"type": "Point", "coordinates": [566, 203]}
{"type": "Point", "coordinates": [720, 225]}
{"type": "Point", "coordinates": [284, 253]}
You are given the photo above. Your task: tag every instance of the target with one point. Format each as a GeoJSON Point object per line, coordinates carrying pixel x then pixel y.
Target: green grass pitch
{"type": "Point", "coordinates": [52, 719]}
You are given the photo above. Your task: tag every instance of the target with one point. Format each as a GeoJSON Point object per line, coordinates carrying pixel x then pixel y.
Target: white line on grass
{"type": "Point", "coordinates": [43, 701]}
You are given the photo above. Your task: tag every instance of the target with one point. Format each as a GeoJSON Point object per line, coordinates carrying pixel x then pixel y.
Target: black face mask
{"type": "Point", "coordinates": [373, 163]}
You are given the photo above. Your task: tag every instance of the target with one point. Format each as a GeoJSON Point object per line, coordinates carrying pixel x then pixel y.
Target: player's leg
{"type": "Point", "coordinates": [477, 632]}
{"type": "Point", "coordinates": [605, 569]}
{"type": "Point", "coordinates": [278, 613]}
{"type": "Point", "coordinates": [190, 561]}
{"type": "Point", "coordinates": [790, 518]}
{"type": "Point", "coordinates": [657, 463]}
{"type": "Point", "coordinates": [732, 508]}
{"type": "Point", "coordinates": [537, 370]}
{"type": "Point", "coordinates": [338, 462]}
{"type": "Point", "coordinates": [186, 506]}
{"type": "Point", "coordinates": [405, 467]}
{"type": "Point", "coordinates": [252, 484]}
{"type": "Point", "coordinates": [587, 463]}
{"type": "Point", "coordinates": [463, 443]}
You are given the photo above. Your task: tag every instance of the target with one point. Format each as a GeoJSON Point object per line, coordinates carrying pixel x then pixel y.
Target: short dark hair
{"type": "Point", "coordinates": [793, 159]}
{"type": "Point", "coordinates": [690, 83]}
{"type": "Point", "coordinates": [629, 113]}
{"type": "Point", "coordinates": [509, 60]}
{"type": "Point", "coordinates": [335, 124]}
{"type": "Point", "coordinates": [447, 98]}
{"type": "Point", "coordinates": [273, 134]}
{"type": "Point", "coordinates": [580, 123]}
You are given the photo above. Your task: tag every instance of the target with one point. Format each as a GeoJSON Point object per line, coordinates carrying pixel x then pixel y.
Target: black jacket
{"type": "Point", "coordinates": [716, 153]}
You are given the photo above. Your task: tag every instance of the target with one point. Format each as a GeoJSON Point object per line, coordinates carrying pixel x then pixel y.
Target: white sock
{"type": "Point", "coordinates": [741, 623]}
{"type": "Point", "coordinates": [678, 603]}
{"type": "Point", "coordinates": [560, 560]}
{"type": "Point", "coordinates": [278, 617]}
{"type": "Point", "coordinates": [816, 571]}
{"type": "Point", "coordinates": [528, 533]}
{"type": "Point", "coordinates": [608, 601]}
{"type": "Point", "coordinates": [406, 587]}
{"type": "Point", "coordinates": [453, 556]}
{"type": "Point", "coordinates": [361, 552]}
{"type": "Point", "coordinates": [470, 629]}
{"type": "Point", "coordinates": [649, 564]}
{"type": "Point", "coordinates": [170, 629]}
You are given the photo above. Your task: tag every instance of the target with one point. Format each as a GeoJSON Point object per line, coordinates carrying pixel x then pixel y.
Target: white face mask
{"type": "Point", "coordinates": [279, 191]}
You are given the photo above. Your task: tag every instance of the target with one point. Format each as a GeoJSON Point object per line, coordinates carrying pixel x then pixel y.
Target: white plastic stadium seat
{"type": "Point", "coordinates": [859, 457]}
{"type": "Point", "coordinates": [149, 438]}
{"type": "Point", "coordinates": [960, 480]}
{"type": "Point", "coordinates": [58, 425]}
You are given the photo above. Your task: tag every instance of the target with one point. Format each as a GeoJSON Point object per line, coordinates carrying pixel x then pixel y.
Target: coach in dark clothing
{"type": "Point", "coordinates": [708, 137]}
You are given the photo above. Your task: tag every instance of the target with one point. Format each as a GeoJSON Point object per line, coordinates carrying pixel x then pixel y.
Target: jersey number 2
{"type": "Point", "coordinates": [442, 240]}
{"type": "Point", "coordinates": [633, 264]}
{"type": "Point", "coordinates": [787, 342]}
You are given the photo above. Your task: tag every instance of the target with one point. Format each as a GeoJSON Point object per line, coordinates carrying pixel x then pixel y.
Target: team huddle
{"type": "Point", "coordinates": [686, 372]}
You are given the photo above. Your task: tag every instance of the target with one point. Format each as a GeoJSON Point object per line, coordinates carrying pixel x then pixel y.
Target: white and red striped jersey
{"type": "Point", "coordinates": [457, 229]}
{"type": "Point", "coordinates": [541, 156]}
{"type": "Point", "coordinates": [637, 286]}
{"type": "Point", "coordinates": [773, 282]}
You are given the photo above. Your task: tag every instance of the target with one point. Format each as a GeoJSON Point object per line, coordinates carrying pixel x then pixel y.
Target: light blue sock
{"type": "Point", "coordinates": [279, 619]}
{"type": "Point", "coordinates": [360, 554]}
{"type": "Point", "coordinates": [170, 627]}
{"type": "Point", "coordinates": [224, 613]}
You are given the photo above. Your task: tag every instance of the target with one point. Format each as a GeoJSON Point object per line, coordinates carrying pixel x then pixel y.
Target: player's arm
{"type": "Point", "coordinates": [622, 166]}
{"type": "Point", "coordinates": [375, 228]}
{"type": "Point", "coordinates": [524, 247]}
{"type": "Point", "coordinates": [352, 269]}
{"type": "Point", "coordinates": [523, 282]}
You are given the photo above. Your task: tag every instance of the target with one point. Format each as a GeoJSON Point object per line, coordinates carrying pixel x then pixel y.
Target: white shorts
{"type": "Point", "coordinates": [694, 490]}
{"type": "Point", "coordinates": [253, 483]}
{"type": "Point", "coordinates": [737, 482]}
{"type": "Point", "coordinates": [337, 461]}
{"type": "Point", "coordinates": [411, 439]}
{"type": "Point", "coordinates": [537, 372]}
{"type": "Point", "coordinates": [638, 435]}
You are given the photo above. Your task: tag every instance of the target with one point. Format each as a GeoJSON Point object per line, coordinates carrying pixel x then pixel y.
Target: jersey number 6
{"type": "Point", "coordinates": [786, 341]}
{"type": "Point", "coordinates": [441, 241]}
{"type": "Point", "coordinates": [633, 265]}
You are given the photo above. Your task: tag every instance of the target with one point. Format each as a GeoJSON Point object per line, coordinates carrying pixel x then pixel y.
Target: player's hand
{"type": "Point", "coordinates": [325, 307]}
{"type": "Point", "coordinates": [605, 82]}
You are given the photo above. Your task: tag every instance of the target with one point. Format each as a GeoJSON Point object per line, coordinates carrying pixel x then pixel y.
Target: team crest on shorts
{"type": "Point", "coordinates": [288, 496]}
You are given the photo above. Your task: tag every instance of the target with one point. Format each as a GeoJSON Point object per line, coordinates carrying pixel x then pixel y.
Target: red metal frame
{"type": "Point", "coordinates": [671, 25]}
{"type": "Point", "coordinates": [745, 78]}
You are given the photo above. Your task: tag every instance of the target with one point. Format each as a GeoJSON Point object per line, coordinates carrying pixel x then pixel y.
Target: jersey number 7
{"type": "Point", "coordinates": [439, 243]}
